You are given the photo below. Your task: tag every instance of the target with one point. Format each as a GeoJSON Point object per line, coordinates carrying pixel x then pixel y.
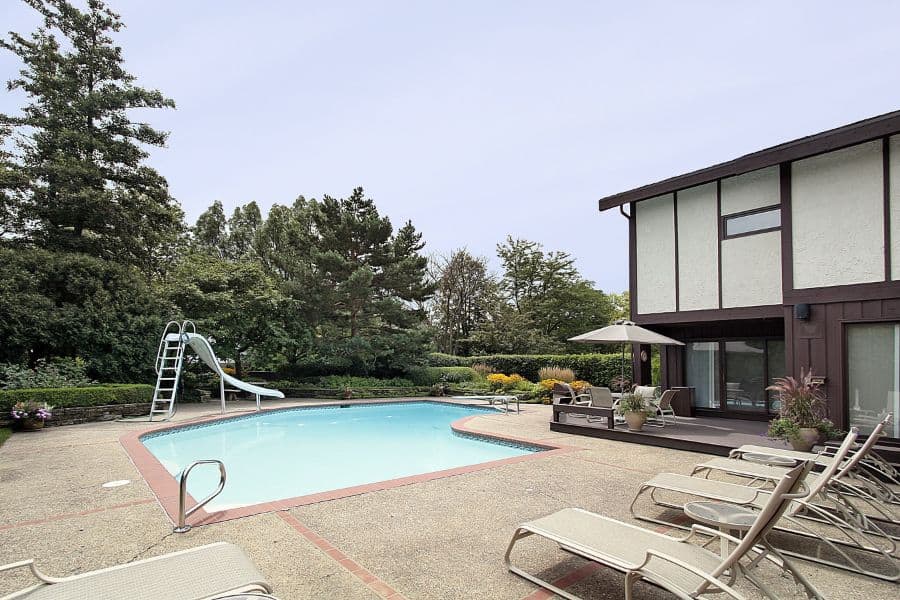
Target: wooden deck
{"type": "Point", "coordinates": [709, 435]}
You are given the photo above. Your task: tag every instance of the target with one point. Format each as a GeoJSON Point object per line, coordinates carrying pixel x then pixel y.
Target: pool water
{"type": "Point", "coordinates": [286, 453]}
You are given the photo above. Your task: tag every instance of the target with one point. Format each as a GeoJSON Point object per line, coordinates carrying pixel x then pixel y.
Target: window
{"type": "Point", "coordinates": [745, 375]}
{"type": "Point", "coordinates": [873, 368]}
{"type": "Point", "coordinates": [758, 221]}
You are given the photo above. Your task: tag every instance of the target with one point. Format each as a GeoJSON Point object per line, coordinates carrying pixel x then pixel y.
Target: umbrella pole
{"type": "Point", "coordinates": [622, 379]}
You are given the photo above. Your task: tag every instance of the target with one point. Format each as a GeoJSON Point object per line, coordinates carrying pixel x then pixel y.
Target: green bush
{"type": "Point", "coordinates": [431, 375]}
{"type": "Point", "coordinates": [95, 395]}
{"type": "Point", "coordinates": [599, 369]}
{"type": "Point", "coordinates": [57, 373]}
{"type": "Point", "coordinates": [351, 381]}
{"type": "Point", "coordinates": [439, 359]}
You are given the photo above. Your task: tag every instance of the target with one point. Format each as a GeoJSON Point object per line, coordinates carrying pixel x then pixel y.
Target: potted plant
{"type": "Point", "coordinates": [30, 416]}
{"type": "Point", "coordinates": [632, 407]}
{"type": "Point", "coordinates": [802, 411]}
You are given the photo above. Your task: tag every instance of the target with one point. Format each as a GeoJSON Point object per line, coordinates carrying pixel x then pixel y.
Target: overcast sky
{"type": "Point", "coordinates": [480, 119]}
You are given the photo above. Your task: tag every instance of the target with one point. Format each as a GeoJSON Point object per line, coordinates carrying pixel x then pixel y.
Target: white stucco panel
{"type": "Point", "coordinates": [698, 248]}
{"type": "Point", "coordinates": [895, 207]}
{"type": "Point", "coordinates": [751, 270]}
{"type": "Point", "coordinates": [655, 245]}
{"type": "Point", "coordinates": [751, 190]}
{"type": "Point", "coordinates": [838, 217]}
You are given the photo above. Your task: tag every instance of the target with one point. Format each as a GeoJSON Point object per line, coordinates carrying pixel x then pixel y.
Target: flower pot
{"type": "Point", "coordinates": [635, 420]}
{"type": "Point", "coordinates": [804, 442]}
{"type": "Point", "coordinates": [29, 424]}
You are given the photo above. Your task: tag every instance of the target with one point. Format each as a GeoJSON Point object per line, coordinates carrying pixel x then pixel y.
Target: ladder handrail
{"type": "Point", "coordinates": [182, 492]}
{"type": "Point", "coordinates": [162, 342]}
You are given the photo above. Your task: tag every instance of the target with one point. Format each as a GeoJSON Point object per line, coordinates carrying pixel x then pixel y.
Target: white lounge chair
{"type": "Point", "coordinates": [662, 408]}
{"type": "Point", "coordinates": [675, 564]}
{"type": "Point", "coordinates": [823, 504]}
{"type": "Point", "coordinates": [203, 573]}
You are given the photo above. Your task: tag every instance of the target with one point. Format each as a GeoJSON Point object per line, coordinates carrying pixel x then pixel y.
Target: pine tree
{"type": "Point", "coordinates": [89, 189]}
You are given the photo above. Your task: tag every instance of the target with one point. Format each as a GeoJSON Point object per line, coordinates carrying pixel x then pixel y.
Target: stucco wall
{"type": "Point", "coordinates": [655, 245]}
{"type": "Point", "coordinates": [751, 190]}
{"type": "Point", "coordinates": [698, 248]}
{"type": "Point", "coordinates": [751, 270]}
{"type": "Point", "coordinates": [895, 206]}
{"type": "Point", "coordinates": [837, 212]}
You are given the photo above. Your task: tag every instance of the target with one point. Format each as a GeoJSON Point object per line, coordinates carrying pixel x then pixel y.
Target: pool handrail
{"type": "Point", "coordinates": [183, 514]}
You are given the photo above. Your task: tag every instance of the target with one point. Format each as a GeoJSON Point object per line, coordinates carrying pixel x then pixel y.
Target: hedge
{"type": "Point", "coordinates": [432, 375]}
{"type": "Point", "coordinates": [95, 395]}
{"type": "Point", "coordinates": [599, 369]}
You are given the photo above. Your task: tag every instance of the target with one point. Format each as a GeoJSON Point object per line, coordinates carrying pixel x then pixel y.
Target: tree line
{"type": "Point", "coordinates": [95, 254]}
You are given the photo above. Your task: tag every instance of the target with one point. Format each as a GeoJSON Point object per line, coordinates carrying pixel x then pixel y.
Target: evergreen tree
{"type": "Point", "coordinates": [88, 187]}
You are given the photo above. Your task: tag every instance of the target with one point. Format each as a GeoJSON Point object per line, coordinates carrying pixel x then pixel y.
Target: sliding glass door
{"type": "Point", "coordinates": [873, 375]}
{"type": "Point", "coordinates": [731, 376]}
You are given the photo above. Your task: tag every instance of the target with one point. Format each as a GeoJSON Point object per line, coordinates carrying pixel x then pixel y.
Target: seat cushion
{"type": "Point", "coordinates": [708, 488]}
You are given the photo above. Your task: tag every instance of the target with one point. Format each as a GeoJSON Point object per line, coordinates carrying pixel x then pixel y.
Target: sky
{"type": "Point", "coordinates": [478, 119]}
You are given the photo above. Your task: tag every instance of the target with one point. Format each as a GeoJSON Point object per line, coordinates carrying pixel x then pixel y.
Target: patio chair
{"type": "Point", "coordinates": [823, 504]}
{"type": "Point", "coordinates": [567, 395]}
{"type": "Point", "coordinates": [647, 392]}
{"type": "Point", "coordinates": [206, 572]}
{"type": "Point", "coordinates": [663, 407]}
{"type": "Point", "coordinates": [685, 569]}
{"type": "Point", "coordinates": [601, 397]}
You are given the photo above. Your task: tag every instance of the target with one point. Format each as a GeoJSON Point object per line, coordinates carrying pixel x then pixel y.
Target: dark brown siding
{"type": "Point", "coordinates": [818, 343]}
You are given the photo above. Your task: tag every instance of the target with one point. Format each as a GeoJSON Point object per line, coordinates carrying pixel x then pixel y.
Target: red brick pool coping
{"type": "Point", "coordinates": [165, 487]}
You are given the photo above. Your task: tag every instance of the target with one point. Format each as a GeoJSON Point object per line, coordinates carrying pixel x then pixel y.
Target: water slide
{"type": "Point", "coordinates": [203, 349]}
{"type": "Point", "coordinates": [169, 359]}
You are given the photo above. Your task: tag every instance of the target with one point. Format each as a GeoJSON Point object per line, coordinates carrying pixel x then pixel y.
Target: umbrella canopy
{"type": "Point", "coordinates": [624, 332]}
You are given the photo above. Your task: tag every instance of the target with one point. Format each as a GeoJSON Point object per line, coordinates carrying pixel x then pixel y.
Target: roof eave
{"type": "Point", "coordinates": [827, 141]}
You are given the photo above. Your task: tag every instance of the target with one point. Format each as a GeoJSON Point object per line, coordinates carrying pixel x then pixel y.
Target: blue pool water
{"type": "Point", "coordinates": [282, 454]}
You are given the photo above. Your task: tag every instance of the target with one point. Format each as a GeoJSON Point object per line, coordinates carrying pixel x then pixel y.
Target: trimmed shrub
{"type": "Point", "coordinates": [350, 381]}
{"type": "Point", "coordinates": [427, 376]}
{"type": "Point", "coordinates": [599, 369]}
{"type": "Point", "coordinates": [95, 395]}
{"type": "Point", "coordinates": [439, 359]}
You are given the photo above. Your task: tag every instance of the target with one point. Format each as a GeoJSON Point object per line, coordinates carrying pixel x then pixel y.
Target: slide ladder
{"type": "Point", "coordinates": [169, 360]}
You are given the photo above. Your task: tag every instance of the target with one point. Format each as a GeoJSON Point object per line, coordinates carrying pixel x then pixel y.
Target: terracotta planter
{"type": "Point", "coordinates": [635, 420]}
{"type": "Point", "coordinates": [809, 437]}
{"type": "Point", "coordinates": [29, 424]}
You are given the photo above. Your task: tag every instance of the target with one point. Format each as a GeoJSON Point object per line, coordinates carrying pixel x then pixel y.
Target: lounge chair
{"type": "Point", "coordinates": [675, 564]}
{"type": "Point", "coordinates": [854, 481]}
{"type": "Point", "coordinates": [823, 504]}
{"type": "Point", "coordinates": [203, 573]}
{"type": "Point", "coordinates": [877, 475]}
{"type": "Point", "coordinates": [663, 407]}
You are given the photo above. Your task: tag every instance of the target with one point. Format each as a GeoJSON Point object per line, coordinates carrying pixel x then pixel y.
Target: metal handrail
{"type": "Point", "coordinates": [182, 492]}
{"type": "Point", "coordinates": [162, 342]}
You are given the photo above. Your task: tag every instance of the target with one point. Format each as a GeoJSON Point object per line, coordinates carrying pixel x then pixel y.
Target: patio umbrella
{"type": "Point", "coordinates": [624, 332]}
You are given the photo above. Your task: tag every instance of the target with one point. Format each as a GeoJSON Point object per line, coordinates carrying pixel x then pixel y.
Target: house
{"type": "Point", "coordinates": [781, 260]}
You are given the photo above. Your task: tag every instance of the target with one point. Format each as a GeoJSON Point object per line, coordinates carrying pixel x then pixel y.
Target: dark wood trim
{"type": "Point", "coordinates": [769, 311]}
{"type": "Point", "coordinates": [827, 141]}
{"type": "Point", "coordinates": [754, 232]}
{"type": "Point", "coordinates": [751, 211]}
{"type": "Point", "coordinates": [677, 274]}
{"type": "Point", "coordinates": [638, 437]}
{"type": "Point", "coordinates": [857, 292]}
{"type": "Point", "coordinates": [721, 224]}
{"type": "Point", "coordinates": [886, 166]}
{"type": "Point", "coordinates": [787, 231]}
{"type": "Point", "coordinates": [632, 262]}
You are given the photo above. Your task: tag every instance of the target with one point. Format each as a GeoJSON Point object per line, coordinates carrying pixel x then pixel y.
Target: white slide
{"type": "Point", "coordinates": [204, 350]}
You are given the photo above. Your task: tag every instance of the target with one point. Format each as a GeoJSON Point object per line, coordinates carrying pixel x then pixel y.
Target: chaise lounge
{"type": "Point", "coordinates": [204, 573]}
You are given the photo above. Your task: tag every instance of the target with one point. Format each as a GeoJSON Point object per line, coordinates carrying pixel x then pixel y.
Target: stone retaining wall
{"type": "Point", "coordinates": [86, 414]}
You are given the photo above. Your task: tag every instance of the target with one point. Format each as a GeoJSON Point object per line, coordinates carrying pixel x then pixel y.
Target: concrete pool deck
{"type": "Point", "coordinates": [437, 538]}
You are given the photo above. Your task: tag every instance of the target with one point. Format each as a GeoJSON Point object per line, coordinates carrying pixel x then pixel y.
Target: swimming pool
{"type": "Point", "coordinates": [282, 454]}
